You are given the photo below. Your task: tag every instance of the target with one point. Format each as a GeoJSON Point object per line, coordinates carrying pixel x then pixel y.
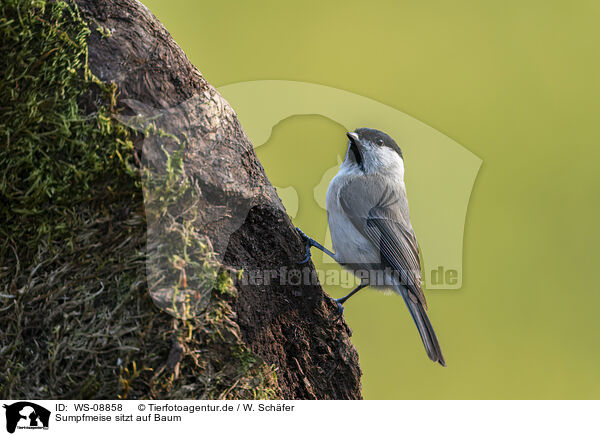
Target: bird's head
{"type": "Point", "coordinates": [373, 151]}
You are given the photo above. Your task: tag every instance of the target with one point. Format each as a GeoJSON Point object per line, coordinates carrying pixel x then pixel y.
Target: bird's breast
{"type": "Point", "coordinates": [349, 245]}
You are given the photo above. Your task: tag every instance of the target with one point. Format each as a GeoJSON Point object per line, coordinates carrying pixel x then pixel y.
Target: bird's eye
{"type": "Point", "coordinates": [379, 141]}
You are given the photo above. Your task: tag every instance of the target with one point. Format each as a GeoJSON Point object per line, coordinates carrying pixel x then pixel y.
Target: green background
{"type": "Point", "coordinates": [516, 83]}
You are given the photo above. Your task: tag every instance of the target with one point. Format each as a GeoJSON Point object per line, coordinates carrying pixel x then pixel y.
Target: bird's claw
{"type": "Point", "coordinates": [307, 244]}
{"type": "Point", "coordinates": [340, 310]}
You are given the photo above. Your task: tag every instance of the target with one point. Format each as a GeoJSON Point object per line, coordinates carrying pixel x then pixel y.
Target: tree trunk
{"type": "Point", "coordinates": [285, 326]}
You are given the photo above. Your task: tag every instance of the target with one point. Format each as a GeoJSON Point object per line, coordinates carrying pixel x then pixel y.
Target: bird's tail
{"type": "Point", "coordinates": [419, 316]}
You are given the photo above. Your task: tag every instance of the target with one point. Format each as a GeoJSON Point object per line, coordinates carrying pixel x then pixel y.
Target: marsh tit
{"type": "Point", "coordinates": [369, 222]}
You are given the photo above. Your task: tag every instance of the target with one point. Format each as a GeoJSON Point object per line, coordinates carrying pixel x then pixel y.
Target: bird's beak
{"type": "Point", "coordinates": [353, 137]}
{"type": "Point", "coordinates": [355, 147]}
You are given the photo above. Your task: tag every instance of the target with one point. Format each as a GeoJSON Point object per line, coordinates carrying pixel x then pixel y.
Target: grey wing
{"type": "Point", "coordinates": [380, 213]}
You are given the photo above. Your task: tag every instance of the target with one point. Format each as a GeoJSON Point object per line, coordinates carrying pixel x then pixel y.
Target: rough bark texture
{"type": "Point", "coordinates": [292, 327]}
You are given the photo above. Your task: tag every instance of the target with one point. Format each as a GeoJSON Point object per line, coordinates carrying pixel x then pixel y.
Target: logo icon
{"type": "Point", "coordinates": [26, 415]}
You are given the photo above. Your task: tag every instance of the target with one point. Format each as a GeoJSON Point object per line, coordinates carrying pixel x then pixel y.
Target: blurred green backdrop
{"type": "Point", "coordinates": [518, 84]}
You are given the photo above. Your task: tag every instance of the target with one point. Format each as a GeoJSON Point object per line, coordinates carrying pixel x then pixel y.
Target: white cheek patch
{"type": "Point", "coordinates": [384, 159]}
{"type": "Point", "coordinates": [390, 156]}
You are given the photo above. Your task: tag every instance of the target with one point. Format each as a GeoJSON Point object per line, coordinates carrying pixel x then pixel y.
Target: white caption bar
{"type": "Point", "coordinates": [299, 417]}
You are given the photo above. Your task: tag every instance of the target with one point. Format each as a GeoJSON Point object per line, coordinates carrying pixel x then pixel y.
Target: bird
{"type": "Point", "coordinates": [370, 227]}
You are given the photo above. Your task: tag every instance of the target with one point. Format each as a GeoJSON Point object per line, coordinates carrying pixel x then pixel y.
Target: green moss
{"type": "Point", "coordinates": [75, 212]}
{"type": "Point", "coordinates": [105, 32]}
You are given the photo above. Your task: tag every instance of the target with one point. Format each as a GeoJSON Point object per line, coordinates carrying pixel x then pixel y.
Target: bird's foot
{"type": "Point", "coordinates": [340, 309]}
{"type": "Point", "coordinates": [308, 245]}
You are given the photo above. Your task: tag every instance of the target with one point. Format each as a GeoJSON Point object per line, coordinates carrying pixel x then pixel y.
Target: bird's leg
{"type": "Point", "coordinates": [310, 242]}
{"type": "Point", "coordinates": [341, 301]}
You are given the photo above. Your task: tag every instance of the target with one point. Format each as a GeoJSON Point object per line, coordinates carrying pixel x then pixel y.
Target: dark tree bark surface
{"type": "Point", "coordinates": [290, 327]}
